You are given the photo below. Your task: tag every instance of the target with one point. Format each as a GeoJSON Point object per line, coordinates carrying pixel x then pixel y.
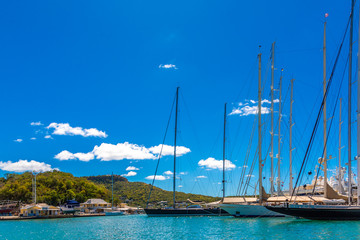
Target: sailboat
{"type": "Point", "coordinates": [194, 210]}
{"type": "Point", "coordinates": [113, 211]}
{"type": "Point", "coordinates": [253, 207]}
{"type": "Point", "coordinates": [326, 211]}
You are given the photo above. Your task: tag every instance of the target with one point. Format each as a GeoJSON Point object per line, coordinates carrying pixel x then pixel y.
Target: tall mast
{"type": "Point", "coordinates": [340, 123]}
{"type": "Point", "coordinates": [349, 99]}
{"type": "Point", "coordinates": [223, 181]}
{"type": "Point", "coordinates": [272, 119]}
{"type": "Point", "coordinates": [176, 116]}
{"type": "Point", "coordinates": [259, 138]}
{"type": "Point", "coordinates": [358, 124]}
{"type": "Point", "coordinates": [279, 139]}
{"type": "Point", "coordinates": [290, 140]}
{"type": "Point", "coordinates": [324, 116]}
{"type": "Point", "coordinates": [112, 189]}
{"type": "Point", "coordinates": [35, 200]}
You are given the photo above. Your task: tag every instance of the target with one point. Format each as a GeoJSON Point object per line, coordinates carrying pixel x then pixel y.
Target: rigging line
{"type": "Point", "coordinates": [192, 123]}
{"type": "Point", "coordinates": [162, 145]}
{"type": "Point", "coordinates": [243, 170]}
{"type": "Point", "coordinates": [319, 114]}
{"type": "Point", "coordinates": [332, 118]}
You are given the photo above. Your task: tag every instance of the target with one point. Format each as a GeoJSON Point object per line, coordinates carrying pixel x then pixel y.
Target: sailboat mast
{"type": "Point", "coordinates": [279, 139]}
{"type": "Point", "coordinates": [358, 124]}
{"type": "Point", "coordinates": [324, 111]}
{"type": "Point", "coordinates": [224, 142]}
{"type": "Point", "coordinates": [349, 99]}
{"type": "Point", "coordinates": [35, 188]}
{"type": "Point", "coordinates": [259, 138]}
{"type": "Point", "coordinates": [272, 119]}
{"type": "Point", "coordinates": [175, 137]}
{"type": "Point", "coordinates": [290, 140]}
{"type": "Point", "coordinates": [340, 123]}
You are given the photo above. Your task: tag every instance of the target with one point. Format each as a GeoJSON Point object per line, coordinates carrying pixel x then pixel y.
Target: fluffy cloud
{"type": "Point", "coordinates": [249, 107]}
{"type": "Point", "coordinates": [120, 151]}
{"type": "Point", "coordinates": [157, 177]}
{"type": "Point", "coordinates": [131, 168]}
{"type": "Point", "coordinates": [85, 157]}
{"type": "Point", "coordinates": [167, 66]}
{"type": "Point", "coordinates": [168, 173]}
{"type": "Point", "coordinates": [212, 163]}
{"type": "Point", "coordinates": [19, 140]}
{"type": "Point", "coordinates": [25, 165]}
{"type": "Point", "coordinates": [66, 155]}
{"type": "Point", "coordinates": [33, 138]}
{"type": "Point", "coordinates": [66, 129]}
{"type": "Point", "coordinates": [201, 176]}
{"type": "Point", "coordinates": [169, 150]}
{"type": "Point", "coordinates": [48, 137]}
{"type": "Point", "coordinates": [36, 123]}
{"type": "Point", "coordinates": [129, 174]}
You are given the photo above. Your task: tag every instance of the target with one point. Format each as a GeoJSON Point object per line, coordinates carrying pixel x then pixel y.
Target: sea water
{"type": "Point", "coordinates": [143, 227]}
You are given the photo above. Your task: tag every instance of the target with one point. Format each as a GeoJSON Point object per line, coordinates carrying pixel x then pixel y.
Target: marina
{"type": "Point", "coordinates": [143, 227]}
{"type": "Point", "coordinates": [180, 120]}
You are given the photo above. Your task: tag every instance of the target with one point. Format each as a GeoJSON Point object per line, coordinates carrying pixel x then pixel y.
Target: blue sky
{"type": "Point", "coordinates": [95, 64]}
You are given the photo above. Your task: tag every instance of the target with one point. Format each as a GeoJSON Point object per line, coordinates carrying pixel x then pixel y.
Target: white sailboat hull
{"type": "Point", "coordinates": [249, 211]}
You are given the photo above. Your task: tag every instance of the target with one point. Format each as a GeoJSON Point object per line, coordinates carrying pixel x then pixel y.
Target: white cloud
{"type": "Point", "coordinates": [212, 163]}
{"type": "Point", "coordinates": [66, 129]}
{"type": "Point", "coordinates": [85, 157]}
{"type": "Point", "coordinates": [180, 186]}
{"type": "Point", "coordinates": [183, 173]}
{"type": "Point", "coordinates": [48, 137]}
{"type": "Point", "coordinates": [168, 172]}
{"type": "Point", "coordinates": [157, 177]}
{"type": "Point", "coordinates": [249, 110]}
{"type": "Point", "coordinates": [169, 150]}
{"type": "Point", "coordinates": [121, 151]}
{"type": "Point", "coordinates": [36, 123]}
{"type": "Point", "coordinates": [250, 107]}
{"type": "Point", "coordinates": [129, 174]}
{"type": "Point", "coordinates": [19, 140]}
{"type": "Point", "coordinates": [33, 138]}
{"type": "Point", "coordinates": [249, 175]}
{"type": "Point", "coordinates": [25, 165]}
{"type": "Point", "coordinates": [131, 168]}
{"type": "Point", "coordinates": [66, 155]}
{"type": "Point", "coordinates": [201, 176]}
{"type": "Point", "coordinates": [167, 66]}
{"type": "Point", "coordinates": [109, 152]}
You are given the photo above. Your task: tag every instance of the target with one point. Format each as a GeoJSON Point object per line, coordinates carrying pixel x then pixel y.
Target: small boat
{"type": "Point", "coordinates": [113, 212]}
{"type": "Point", "coordinates": [70, 207]}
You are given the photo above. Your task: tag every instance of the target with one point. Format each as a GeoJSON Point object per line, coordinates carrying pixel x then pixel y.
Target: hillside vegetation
{"type": "Point", "coordinates": [137, 193]}
{"type": "Point", "coordinates": [56, 187]}
{"type": "Point", "coordinates": [52, 188]}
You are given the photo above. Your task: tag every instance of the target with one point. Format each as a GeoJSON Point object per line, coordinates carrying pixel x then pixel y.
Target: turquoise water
{"type": "Point", "coordinates": [143, 227]}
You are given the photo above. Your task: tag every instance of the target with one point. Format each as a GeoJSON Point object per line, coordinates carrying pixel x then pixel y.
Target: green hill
{"type": "Point", "coordinates": [137, 193]}
{"type": "Point", "coordinates": [52, 188]}
{"type": "Point", "coordinates": [56, 187]}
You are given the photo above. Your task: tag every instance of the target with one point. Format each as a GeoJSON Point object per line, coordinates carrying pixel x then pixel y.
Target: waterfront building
{"type": "Point", "coordinates": [39, 210]}
{"type": "Point", "coordinates": [95, 205]}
